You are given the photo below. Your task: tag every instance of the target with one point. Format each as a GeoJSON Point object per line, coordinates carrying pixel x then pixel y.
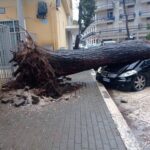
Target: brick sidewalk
{"type": "Point", "coordinates": [83, 123]}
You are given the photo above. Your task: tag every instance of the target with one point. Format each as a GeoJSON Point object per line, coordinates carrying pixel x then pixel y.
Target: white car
{"type": "Point", "coordinates": [108, 42]}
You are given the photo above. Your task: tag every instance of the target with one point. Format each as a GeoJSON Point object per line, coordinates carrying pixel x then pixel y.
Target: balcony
{"type": "Point", "coordinates": [145, 1]}
{"type": "Point", "coordinates": [131, 16]}
{"type": "Point", "coordinates": [128, 2]}
{"type": "Point", "coordinates": [104, 20]}
{"type": "Point", "coordinates": [103, 6]}
{"type": "Point", "coordinates": [144, 14]}
{"type": "Point", "coordinates": [115, 33]}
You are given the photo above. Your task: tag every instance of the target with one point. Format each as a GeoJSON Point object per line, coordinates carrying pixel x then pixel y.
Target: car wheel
{"type": "Point", "coordinates": [139, 82]}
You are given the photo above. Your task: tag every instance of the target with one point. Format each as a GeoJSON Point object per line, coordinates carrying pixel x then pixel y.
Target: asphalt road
{"type": "Point", "coordinates": [135, 108]}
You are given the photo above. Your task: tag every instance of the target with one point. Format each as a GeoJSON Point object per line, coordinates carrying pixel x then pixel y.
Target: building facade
{"type": "Point", "coordinates": [45, 20]}
{"type": "Point", "coordinates": [109, 21]}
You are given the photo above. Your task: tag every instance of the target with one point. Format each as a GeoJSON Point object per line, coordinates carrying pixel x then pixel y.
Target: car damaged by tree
{"type": "Point", "coordinates": [134, 76]}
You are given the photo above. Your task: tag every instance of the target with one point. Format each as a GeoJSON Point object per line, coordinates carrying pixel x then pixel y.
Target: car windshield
{"type": "Point", "coordinates": [120, 67]}
{"type": "Point", "coordinates": [131, 66]}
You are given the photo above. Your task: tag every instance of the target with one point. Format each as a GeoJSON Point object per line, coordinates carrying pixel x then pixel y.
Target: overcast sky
{"type": "Point", "coordinates": [75, 9]}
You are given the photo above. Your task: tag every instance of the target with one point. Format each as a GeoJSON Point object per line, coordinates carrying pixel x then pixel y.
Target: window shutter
{"type": "Point", "coordinates": [58, 3]}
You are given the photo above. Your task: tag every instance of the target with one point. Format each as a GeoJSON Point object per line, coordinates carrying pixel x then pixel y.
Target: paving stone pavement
{"type": "Point", "coordinates": [82, 123]}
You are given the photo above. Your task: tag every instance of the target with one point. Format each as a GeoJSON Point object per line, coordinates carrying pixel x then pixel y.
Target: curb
{"type": "Point", "coordinates": [125, 132]}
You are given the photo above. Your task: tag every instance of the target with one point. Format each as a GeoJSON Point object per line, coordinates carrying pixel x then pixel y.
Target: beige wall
{"type": "Point", "coordinates": [52, 32]}
{"type": "Point", "coordinates": [61, 27]}
{"type": "Point", "coordinates": [34, 25]}
{"type": "Point", "coordinates": [10, 8]}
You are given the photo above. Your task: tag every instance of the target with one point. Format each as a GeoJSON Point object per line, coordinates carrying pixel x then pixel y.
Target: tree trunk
{"type": "Point", "coordinates": [126, 19]}
{"type": "Point", "coordinates": [69, 62]}
{"type": "Point", "coordinates": [77, 42]}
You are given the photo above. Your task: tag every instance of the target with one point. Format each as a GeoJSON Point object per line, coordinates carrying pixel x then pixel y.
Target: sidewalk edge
{"type": "Point", "coordinates": [125, 132]}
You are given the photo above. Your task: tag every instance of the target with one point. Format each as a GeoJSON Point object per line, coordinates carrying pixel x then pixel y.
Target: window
{"type": "Point", "coordinates": [97, 41]}
{"type": "Point", "coordinates": [10, 24]}
{"type": "Point", "coordinates": [132, 6]}
{"type": "Point", "coordinates": [14, 30]}
{"type": "Point", "coordinates": [42, 10]}
{"type": "Point", "coordinates": [109, 23]}
{"type": "Point", "coordinates": [130, 20]}
{"type": "Point", "coordinates": [13, 25]}
{"type": "Point", "coordinates": [2, 10]}
{"type": "Point", "coordinates": [110, 14]}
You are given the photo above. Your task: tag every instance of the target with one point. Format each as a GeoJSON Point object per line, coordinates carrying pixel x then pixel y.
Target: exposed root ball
{"type": "Point", "coordinates": [34, 70]}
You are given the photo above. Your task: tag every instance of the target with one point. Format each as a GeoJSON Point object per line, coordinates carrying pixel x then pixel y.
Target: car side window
{"type": "Point", "coordinates": [147, 62]}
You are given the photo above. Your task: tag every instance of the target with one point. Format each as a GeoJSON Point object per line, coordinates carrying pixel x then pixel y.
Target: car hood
{"type": "Point", "coordinates": [120, 68]}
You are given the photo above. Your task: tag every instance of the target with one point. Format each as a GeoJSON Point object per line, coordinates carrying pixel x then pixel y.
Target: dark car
{"type": "Point", "coordinates": [134, 76]}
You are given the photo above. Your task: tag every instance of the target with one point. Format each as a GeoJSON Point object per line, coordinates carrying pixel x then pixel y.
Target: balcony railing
{"type": "Point", "coordinates": [103, 20]}
{"type": "Point", "coordinates": [114, 32]}
{"type": "Point", "coordinates": [128, 2]}
{"type": "Point", "coordinates": [131, 16]}
{"type": "Point", "coordinates": [104, 6]}
{"type": "Point", "coordinates": [144, 14]}
{"type": "Point", "coordinates": [123, 29]}
{"type": "Point", "coordinates": [145, 1]}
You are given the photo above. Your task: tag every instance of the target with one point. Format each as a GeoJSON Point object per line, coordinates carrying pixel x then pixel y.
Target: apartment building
{"type": "Point", "coordinates": [46, 20]}
{"type": "Point", "coordinates": [109, 21]}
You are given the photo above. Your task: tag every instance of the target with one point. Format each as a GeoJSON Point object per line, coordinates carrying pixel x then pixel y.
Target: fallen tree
{"type": "Point", "coordinates": [70, 62]}
{"type": "Point", "coordinates": [40, 68]}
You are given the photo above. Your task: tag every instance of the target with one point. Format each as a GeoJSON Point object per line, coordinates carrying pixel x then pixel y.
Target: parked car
{"type": "Point", "coordinates": [108, 42]}
{"type": "Point", "coordinates": [134, 76]}
{"type": "Point", "coordinates": [93, 46]}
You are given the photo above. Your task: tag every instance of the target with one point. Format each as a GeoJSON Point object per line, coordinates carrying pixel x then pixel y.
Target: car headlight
{"type": "Point", "coordinates": [128, 73]}
{"type": "Point", "coordinates": [99, 70]}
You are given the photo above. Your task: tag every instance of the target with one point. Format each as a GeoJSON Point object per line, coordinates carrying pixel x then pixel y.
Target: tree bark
{"type": "Point", "coordinates": [70, 62]}
{"type": "Point", "coordinates": [77, 42]}
{"type": "Point", "coordinates": [126, 19]}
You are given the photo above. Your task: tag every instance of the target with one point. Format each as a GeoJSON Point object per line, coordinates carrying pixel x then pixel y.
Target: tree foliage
{"type": "Point", "coordinates": [148, 26]}
{"type": "Point", "coordinates": [86, 14]}
{"type": "Point", "coordinates": [148, 36]}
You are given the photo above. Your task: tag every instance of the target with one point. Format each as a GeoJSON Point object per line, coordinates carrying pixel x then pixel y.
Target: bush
{"type": "Point", "coordinates": [148, 36]}
{"type": "Point", "coordinates": [148, 26]}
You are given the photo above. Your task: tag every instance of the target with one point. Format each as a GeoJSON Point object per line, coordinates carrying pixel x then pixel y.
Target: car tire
{"type": "Point", "coordinates": [139, 82]}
